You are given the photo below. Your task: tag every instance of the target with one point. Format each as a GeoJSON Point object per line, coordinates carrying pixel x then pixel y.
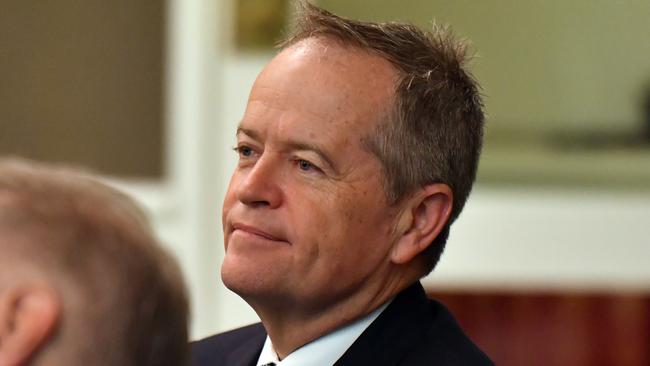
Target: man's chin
{"type": "Point", "coordinates": [250, 280]}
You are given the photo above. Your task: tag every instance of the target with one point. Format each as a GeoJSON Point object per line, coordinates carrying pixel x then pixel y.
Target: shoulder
{"type": "Point", "coordinates": [414, 331]}
{"type": "Point", "coordinates": [217, 348]}
{"type": "Point", "coordinates": [446, 343]}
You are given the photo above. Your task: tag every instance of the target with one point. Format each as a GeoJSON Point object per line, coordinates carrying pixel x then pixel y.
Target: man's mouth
{"type": "Point", "coordinates": [256, 231]}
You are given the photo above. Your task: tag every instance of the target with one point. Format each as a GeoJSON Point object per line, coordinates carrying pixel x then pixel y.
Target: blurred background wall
{"type": "Point", "coordinates": [553, 247]}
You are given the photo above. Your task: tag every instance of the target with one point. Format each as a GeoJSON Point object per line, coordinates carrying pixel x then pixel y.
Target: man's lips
{"type": "Point", "coordinates": [255, 231]}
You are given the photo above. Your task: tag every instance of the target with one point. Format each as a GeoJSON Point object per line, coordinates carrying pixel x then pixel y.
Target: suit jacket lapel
{"type": "Point", "coordinates": [400, 327]}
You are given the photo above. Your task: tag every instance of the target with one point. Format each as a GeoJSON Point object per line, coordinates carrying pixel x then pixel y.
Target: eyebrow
{"type": "Point", "coordinates": [250, 133]}
{"type": "Point", "coordinates": [293, 145]}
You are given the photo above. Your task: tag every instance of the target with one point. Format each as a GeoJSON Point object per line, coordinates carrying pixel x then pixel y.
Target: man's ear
{"type": "Point", "coordinates": [28, 316]}
{"type": "Point", "coordinates": [425, 215]}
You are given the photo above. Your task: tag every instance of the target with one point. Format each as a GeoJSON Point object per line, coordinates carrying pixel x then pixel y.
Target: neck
{"type": "Point", "coordinates": [291, 326]}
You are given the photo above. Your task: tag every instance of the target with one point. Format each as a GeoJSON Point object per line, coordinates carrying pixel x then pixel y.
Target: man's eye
{"type": "Point", "coordinates": [244, 151]}
{"type": "Point", "coordinates": [306, 166]}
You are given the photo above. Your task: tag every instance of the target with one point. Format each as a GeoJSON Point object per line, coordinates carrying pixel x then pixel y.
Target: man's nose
{"type": "Point", "coordinates": [260, 185]}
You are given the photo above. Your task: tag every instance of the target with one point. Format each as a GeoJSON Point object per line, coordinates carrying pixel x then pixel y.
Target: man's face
{"type": "Point", "coordinates": [305, 218]}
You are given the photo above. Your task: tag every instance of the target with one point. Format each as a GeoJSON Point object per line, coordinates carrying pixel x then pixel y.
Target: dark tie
{"type": "Point", "coordinates": [269, 364]}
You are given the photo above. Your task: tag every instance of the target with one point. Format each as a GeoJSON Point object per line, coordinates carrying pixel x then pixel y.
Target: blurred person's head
{"type": "Point", "coordinates": [82, 279]}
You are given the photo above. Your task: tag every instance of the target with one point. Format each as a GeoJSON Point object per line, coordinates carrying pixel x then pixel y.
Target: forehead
{"type": "Point", "coordinates": [321, 79]}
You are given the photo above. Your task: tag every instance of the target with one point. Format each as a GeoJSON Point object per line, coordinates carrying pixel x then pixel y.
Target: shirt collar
{"type": "Point", "coordinates": [325, 350]}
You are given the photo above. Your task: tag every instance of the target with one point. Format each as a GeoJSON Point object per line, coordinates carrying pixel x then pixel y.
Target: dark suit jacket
{"type": "Point", "coordinates": [412, 331]}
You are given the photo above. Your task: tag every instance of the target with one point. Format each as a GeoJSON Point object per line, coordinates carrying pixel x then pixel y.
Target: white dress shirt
{"type": "Point", "coordinates": [325, 350]}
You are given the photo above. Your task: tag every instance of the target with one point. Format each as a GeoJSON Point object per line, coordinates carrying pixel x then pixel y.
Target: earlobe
{"type": "Point", "coordinates": [429, 210]}
{"type": "Point", "coordinates": [28, 316]}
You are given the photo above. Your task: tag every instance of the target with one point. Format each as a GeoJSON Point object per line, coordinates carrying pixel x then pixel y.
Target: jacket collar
{"type": "Point", "coordinates": [399, 328]}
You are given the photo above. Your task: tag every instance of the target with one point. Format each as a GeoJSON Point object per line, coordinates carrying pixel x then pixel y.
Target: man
{"type": "Point", "coordinates": [82, 279]}
{"type": "Point", "coordinates": [357, 150]}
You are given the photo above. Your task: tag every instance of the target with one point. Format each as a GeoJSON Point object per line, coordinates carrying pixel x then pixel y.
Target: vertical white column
{"type": "Point", "coordinates": [193, 146]}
